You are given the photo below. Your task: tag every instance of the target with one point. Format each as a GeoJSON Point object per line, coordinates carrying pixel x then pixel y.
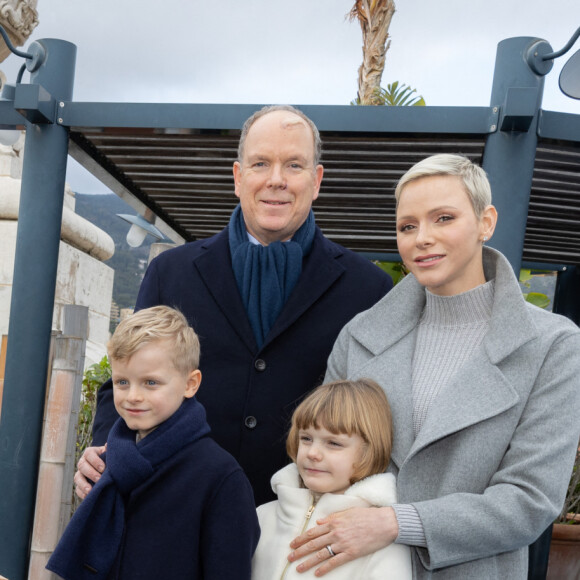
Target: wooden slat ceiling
{"type": "Point", "coordinates": [553, 226]}
{"type": "Point", "coordinates": [186, 178]}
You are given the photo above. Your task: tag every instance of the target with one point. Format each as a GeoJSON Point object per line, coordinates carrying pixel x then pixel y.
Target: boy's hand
{"type": "Point", "coordinates": [89, 470]}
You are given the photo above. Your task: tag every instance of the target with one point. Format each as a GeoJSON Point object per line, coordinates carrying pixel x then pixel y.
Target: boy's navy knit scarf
{"type": "Point", "coordinates": [266, 275]}
{"type": "Point", "coordinates": [89, 545]}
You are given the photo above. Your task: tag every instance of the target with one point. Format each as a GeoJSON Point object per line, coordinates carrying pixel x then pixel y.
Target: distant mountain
{"type": "Point", "coordinates": [129, 263]}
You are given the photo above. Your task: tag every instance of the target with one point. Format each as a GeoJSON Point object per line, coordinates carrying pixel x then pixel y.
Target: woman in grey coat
{"type": "Point", "coordinates": [484, 389]}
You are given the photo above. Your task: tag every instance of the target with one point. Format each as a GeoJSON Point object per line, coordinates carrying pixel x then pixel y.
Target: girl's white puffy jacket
{"type": "Point", "coordinates": [282, 520]}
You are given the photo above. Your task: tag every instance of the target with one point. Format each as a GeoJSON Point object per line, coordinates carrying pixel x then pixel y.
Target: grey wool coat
{"type": "Point", "coordinates": [489, 469]}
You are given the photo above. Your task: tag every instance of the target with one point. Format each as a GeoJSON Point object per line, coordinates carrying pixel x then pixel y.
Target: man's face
{"type": "Point", "coordinates": [276, 180]}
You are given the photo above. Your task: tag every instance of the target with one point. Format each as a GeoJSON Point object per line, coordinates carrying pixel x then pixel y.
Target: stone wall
{"type": "Point", "coordinates": [82, 277]}
{"type": "Point", "coordinates": [19, 18]}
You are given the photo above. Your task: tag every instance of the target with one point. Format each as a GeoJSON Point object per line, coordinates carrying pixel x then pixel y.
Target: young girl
{"type": "Point", "coordinates": [340, 442]}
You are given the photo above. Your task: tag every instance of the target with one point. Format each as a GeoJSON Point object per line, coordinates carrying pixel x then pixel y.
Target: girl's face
{"type": "Point", "coordinates": [326, 461]}
{"type": "Point", "coordinates": [440, 237]}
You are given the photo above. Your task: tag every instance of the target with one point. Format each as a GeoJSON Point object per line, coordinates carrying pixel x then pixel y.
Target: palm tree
{"type": "Point", "coordinates": [374, 17]}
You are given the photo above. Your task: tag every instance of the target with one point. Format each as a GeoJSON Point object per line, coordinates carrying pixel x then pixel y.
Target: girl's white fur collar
{"type": "Point", "coordinates": [378, 490]}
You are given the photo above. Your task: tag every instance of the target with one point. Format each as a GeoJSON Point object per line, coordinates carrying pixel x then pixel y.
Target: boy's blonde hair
{"type": "Point", "coordinates": [157, 323]}
{"type": "Point", "coordinates": [352, 408]}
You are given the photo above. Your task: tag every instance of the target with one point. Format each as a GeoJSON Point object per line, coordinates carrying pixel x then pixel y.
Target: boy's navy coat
{"type": "Point", "coordinates": [193, 519]}
{"type": "Point", "coordinates": [250, 393]}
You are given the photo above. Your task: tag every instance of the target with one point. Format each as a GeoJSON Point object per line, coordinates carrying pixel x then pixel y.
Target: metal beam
{"type": "Point", "coordinates": [560, 126]}
{"type": "Point", "coordinates": [9, 117]}
{"type": "Point", "coordinates": [386, 120]}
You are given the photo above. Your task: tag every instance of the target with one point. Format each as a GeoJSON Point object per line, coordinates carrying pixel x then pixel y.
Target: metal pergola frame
{"type": "Point", "coordinates": [57, 126]}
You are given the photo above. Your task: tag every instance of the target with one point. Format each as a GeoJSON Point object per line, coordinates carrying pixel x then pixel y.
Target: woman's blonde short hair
{"type": "Point", "coordinates": [473, 177]}
{"type": "Point", "coordinates": [157, 323]}
{"type": "Point", "coordinates": [353, 408]}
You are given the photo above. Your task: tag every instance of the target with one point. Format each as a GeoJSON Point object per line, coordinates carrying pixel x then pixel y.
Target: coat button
{"type": "Point", "coordinates": [251, 422]}
{"type": "Point", "coordinates": [260, 365]}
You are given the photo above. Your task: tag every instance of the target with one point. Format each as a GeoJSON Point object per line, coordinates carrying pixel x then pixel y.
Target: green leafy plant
{"type": "Point", "coordinates": [400, 96]}
{"type": "Point", "coordinates": [535, 298]}
{"type": "Point", "coordinates": [396, 270]}
{"type": "Point", "coordinates": [93, 378]}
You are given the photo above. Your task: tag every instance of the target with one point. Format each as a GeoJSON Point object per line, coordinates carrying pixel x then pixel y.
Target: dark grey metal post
{"type": "Point", "coordinates": [37, 243]}
{"type": "Point", "coordinates": [567, 292]}
{"type": "Point", "coordinates": [510, 151]}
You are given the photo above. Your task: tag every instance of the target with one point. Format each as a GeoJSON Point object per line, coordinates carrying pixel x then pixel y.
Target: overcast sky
{"type": "Point", "coordinates": [289, 51]}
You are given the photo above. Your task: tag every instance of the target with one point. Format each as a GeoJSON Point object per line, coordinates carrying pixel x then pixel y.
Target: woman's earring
{"type": "Point", "coordinates": [485, 238]}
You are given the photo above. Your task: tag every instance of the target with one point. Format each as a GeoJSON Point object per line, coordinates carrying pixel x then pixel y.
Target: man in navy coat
{"type": "Point", "coordinates": [267, 312]}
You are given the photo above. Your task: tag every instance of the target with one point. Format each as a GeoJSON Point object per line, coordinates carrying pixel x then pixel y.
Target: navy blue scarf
{"type": "Point", "coordinates": [89, 545]}
{"type": "Point", "coordinates": [266, 275]}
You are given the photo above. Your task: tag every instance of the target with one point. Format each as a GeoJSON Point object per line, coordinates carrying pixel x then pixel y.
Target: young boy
{"type": "Point", "coordinates": [171, 503]}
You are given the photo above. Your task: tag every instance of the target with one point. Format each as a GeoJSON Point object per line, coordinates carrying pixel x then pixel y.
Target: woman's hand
{"type": "Point", "coordinates": [90, 467]}
{"type": "Point", "coordinates": [350, 534]}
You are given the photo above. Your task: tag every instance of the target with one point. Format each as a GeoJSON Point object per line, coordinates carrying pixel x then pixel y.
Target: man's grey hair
{"type": "Point", "coordinates": [271, 109]}
{"type": "Point", "coordinates": [472, 176]}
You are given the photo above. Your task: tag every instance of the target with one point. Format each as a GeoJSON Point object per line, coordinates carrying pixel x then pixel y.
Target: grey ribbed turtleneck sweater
{"type": "Point", "coordinates": [449, 331]}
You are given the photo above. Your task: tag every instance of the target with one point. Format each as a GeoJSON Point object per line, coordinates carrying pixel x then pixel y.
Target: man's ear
{"type": "Point", "coordinates": [237, 177]}
{"type": "Point", "coordinates": [193, 382]}
{"type": "Point", "coordinates": [318, 172]}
